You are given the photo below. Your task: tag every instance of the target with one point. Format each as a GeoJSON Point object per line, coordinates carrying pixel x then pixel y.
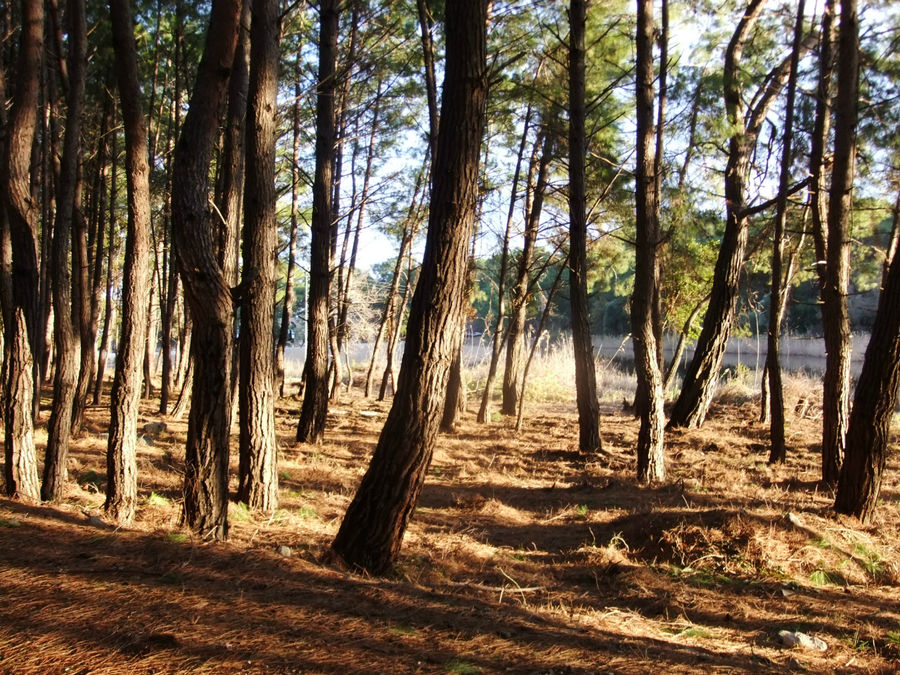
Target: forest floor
{"type": "Point", "coordinates": [522, 556]}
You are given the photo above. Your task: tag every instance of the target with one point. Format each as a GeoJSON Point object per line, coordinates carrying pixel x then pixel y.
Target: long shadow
{"type": "Point", "coordinates": [130, 597]}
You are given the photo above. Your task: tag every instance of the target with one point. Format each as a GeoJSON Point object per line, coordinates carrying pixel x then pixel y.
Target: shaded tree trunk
{"type": "Point", "coordinates": [258, 476]}
{"type": "Point", "coordinates": [650, 458]}
{"type": "Point", "coordinates": [868, 434]}
{"type": "Point", "coordinates": [121, 452]}
{"type": "Point", "coordinates": [585, 373]}
{"type": "Point", "coordinates": [372, 530]}
{"type": "Point", "coordinates": [66, 315]}
{"type": "Point", "coordinates": [779, 290]}
{"type": "Point", "coordinates": [702, 375]}
{"type": "Point", "coordinates": [108, 305]}
{"type": "Point", "coordinates": [835, 312]}
{"type": "Point", "coordinates": [311, 425]}
{"type": "Point", "coordinates": [20, 463]}
{"type": "Point", "coordinates": [208, 295]}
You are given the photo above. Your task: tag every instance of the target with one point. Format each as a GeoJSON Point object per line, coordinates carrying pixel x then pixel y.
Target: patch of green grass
{"type": "Point", "coordinates": [10, 523]}
{"type": "Point", "coordinates": [436, 470]}
{"type": "Point", "coordinates": [822, 577]}
{"type": "Point", "coordinates": [402, 630]}
{"type": "Point", "coordinates": [893, 636]}
{"type": "Point", "coordinates": [617, 543]}
{"type": "Point", "coordinates": [177, 537]}
{"type": "Point", "coordinates": [689, 632]}
{"type": "Point", "coordinates": [582, 510]}
{"type": "Point", "coordinates": [284, 475]}
{"type": "Point", "coordinates": [240, 511]}
{"type": "Point", "coordinates": [821, 542]}
{"type": "Point", "coordinates": [306, 512]}
{"type": "Point", "coordinates": [157, 500]}
{"type": "Point", "coordinates": [870, 560]}
{"type": "Point", "coordinates": [461, 667]}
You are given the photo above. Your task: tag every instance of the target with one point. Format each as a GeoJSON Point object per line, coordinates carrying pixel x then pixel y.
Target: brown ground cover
{"type": "Point", "coordinates": [522, 557]}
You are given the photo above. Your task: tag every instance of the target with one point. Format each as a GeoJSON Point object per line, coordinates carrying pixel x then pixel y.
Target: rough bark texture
{"type": "Point", "coordinates": [66, 315]}
{"type": "Point", "coordinates": [835, 312]}
{"type": "Point", "coordinates": [869, 431]}
{"type": "Point", "coordinates": [372, 530]}
{"type": "Point", "coordinates": [311, 426]}
{"type": "Point", "coordinates": [207, 291]}
{"type": "Point", "coordinates": [650, 457]}
{"type": "Point", "coordinates": [21, 333]}
{"type": "Point", "coordinates": [121, 454]}
{"type": "Point", "coordinates": [258, 477]}
{"type": "Point", "coordinates": [702, 375]}
{"type": "Point", "coordinates": [585, 373]}
{"type": "Point", "coordinates": [779, 289]}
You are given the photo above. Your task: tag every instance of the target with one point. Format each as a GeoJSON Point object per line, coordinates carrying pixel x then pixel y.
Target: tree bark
{"type": "Point", "coordinates": [499, 336]}
{"type": "Point", "coordinates": [121, 452]}
{"type": "Point", "coordinates": [108, 304]}
{"type": "Point", "coordinates": [311, 425]}
{"type": "Point", "coordinates": [515, 340]}
{"type": "Point", "coordinates": [835, 312]}
{"type": "Point", "coordinates": [20, 474]}
{"type": "Point", "coordinates": [66, 315]}
{"type": "Point", "coordinates": [702, 375]}
{"type": "Point", "coordinates": [372, 530]}
{"type": "Point", "coordinates": [258, 476]}
{"type": "Point", "coordinates": [208, 295]}
{"type": "Point", "coordinates": [650, 458]}
{"type": "Point", "coordinates": [585, 373]}
{"type": "Point", "coordinates": [779, 289]}
{"type": "Point", "coordinates": [288, 306]}
{"type": "Point", "coordinates": [868, 433]}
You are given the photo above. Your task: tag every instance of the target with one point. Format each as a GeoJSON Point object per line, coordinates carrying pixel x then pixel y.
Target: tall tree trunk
{"type": "Point", "coordinates": [499, 335]}
{"type": "Point", "coordinates": [388, 376]}
{"type": "Point", "coordinates": [779, 290]}
{"type": "Point", "coordinates": [372, 530]}
{"type": "Point", "coordinates": [393, 305]}
{"type": "Point", "coordinates": [650, 458]}
{"type": "Point", "coordinates": [311, 425]}
{"type": "Point", "coordinates": [258, 476]}
{"type": "Point", "coordinates": [121, 453]}
{"type": "Point", "coordinates": [66, 315]}
{"type": "Point", "coordinates": [208, 295]}
{"type": "Point", "coordinates": [108, 305]}
{"type": "Point", "coordinates": [835, 312]}
{"type": "Point", "coordinates": [288, 306]}
{"type": "Point", "coordinates": [585, 373]}
{"type": "Point", "coordinates": [868, 434]}
{"type": "Point", "coordinates": [20, 463]}
{"type": "Point", "coordinates": [515, 340]}
{"type": "Point", "coordinates": [702, 375]}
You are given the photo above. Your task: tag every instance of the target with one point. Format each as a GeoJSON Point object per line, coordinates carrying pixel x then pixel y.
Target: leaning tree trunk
{"type": "Point", "coordinates": [779, 290]}
{"type": "Point", "coordinates": [835, 312]}
{"type": "Point", "coordinates": [311, 425]}
{"type": "Point", "coordinates": [868, 434]}
{"type": "Point", "coordinates": [702, 375]}
{"type": "Point", "coordinates": [20, 463]}
{"type": "Point", "coordinates": [208, 295]}
{"type": "Point", "coordinates": [258, 476]}
{"type": "Point", "coordinates": [372, 530]}
{"type": "Point", "coordinates": [650, 458]}
{"type": "Point", "coordinates": [585, 373]}
{"type": "Point", "coordinates": [66, 313]}
{"type": "Point", "coordinates": [121, 453]}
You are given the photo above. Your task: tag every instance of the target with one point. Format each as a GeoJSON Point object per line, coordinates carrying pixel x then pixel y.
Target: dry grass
{"type": "Point", "coordinates": [522, 556]}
